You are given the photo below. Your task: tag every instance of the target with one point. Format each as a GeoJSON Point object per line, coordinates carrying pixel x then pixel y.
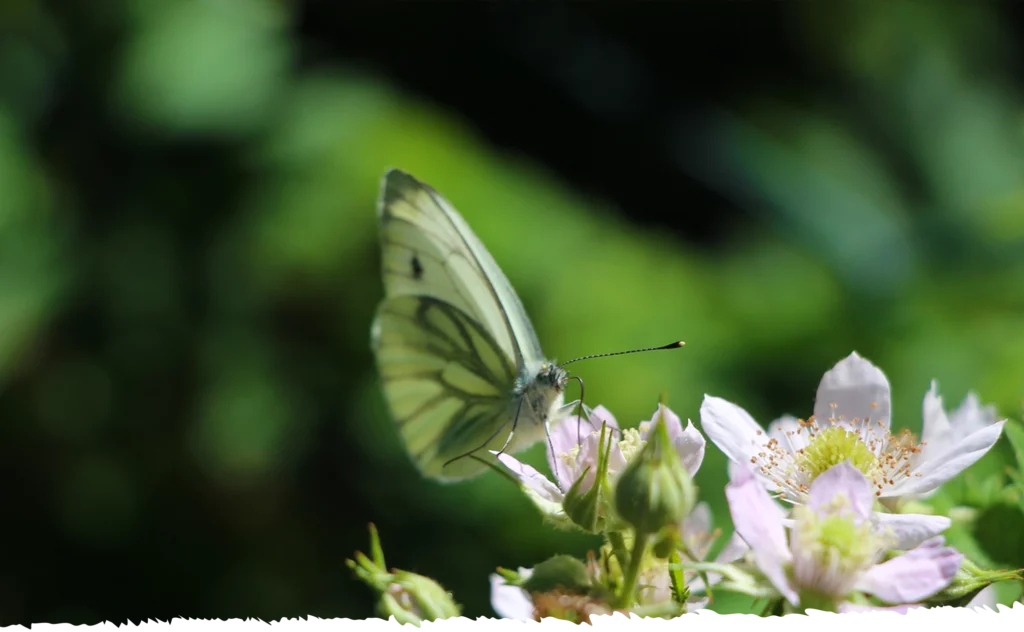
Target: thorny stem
{"type": "Point", "coordinates": [636, 559]}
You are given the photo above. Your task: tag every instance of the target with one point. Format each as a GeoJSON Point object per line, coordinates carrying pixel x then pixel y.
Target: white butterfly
{"type": "Point", "coordinates": [462, 369]}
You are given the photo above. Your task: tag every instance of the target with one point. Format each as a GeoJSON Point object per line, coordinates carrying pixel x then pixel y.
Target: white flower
{"type": "Point", "coordinates": [573, 449]}
{"type": "Point", "coordinates": [511, 602]}
{"type": "Point", "coordinates": [833, 550]}
{"type": "Point", "coordinates": [851, 421]}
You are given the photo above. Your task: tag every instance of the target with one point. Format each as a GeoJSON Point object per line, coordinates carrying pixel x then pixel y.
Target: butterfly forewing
{"type": "Point", "coordinates": [451, 335]}
{"type": "Point", "coordinates": [421, 220]}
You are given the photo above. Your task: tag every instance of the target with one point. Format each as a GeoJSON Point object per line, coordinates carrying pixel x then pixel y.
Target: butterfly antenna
{"type": "Point", "coordinates": [672, 345]}
{"type": "Point", "coordinates": [579, 409]}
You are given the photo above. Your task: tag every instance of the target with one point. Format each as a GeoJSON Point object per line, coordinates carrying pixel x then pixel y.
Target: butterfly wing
{"type": "Point", "coordinates": [451, 335]}
{"type": "Point", "coordinates": [417, 220]}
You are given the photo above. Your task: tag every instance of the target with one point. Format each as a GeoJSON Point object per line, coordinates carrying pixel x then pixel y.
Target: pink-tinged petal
{"type": "Point", "coordinates": [672, 424]}
{"type": "Point", "coordinates": [563, 440]}
{"type": "Point", "coordinates": [731, 428]}
{"type": "Point", "coordinates": [939, 468]}
{"type": "Point", "coordinates": [905, 531]}
{"type": "Point", "coordinates": [758, 520]}
{"type": "Point", "coordinates": [585, 433]}
{"type": "Point", "coordinates": [602, 415]}
{"type": "Point", "coordinates": [588, 459]}
{"type": "Point", "coordinates": [786, 430]}
{"type": "Point", "coordinates": [698, 523]}
{"type": "Point", "coordinates": [845, 608]}
{"type": "Point", "coordinates": [532, 479]}
{"type": "Point", "coordinates": [733, 468]}
{"type": "Point", "coordinates": [733, 550]}
{"type": "Point", "coordinates": [690, 445]}
{"type": "Point", "coordinates": [913, 576]}
{"type": "Point", "coordinates": [846, 480]}
{"type": "Point", "coordinates": [853, 389]}
{"type": "Point", "coordinates": [510, 602]}
{"type": "Point", "coordinates": [987, 598]}
{"type": "Point", "coordinates": [616, 460]}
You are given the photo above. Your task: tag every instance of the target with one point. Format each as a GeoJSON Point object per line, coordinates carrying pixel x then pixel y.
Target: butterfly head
{"type": "Point", "coordinates": [552, 376]}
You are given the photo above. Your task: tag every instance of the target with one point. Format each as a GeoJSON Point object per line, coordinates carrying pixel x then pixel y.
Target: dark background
{"type": "Point", "coordinates": [190, 423]}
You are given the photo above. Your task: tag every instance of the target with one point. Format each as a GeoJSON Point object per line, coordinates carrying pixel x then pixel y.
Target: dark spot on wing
{"type": "Point", "coordinates": [417, 268]}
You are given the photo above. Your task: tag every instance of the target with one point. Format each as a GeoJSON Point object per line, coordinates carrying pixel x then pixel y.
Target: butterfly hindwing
{"type": "Point", "coordinates": [446, 380]}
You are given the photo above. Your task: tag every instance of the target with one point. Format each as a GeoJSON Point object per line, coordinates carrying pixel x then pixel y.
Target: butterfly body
{"type": "Point", "coordinates": [462, 370]}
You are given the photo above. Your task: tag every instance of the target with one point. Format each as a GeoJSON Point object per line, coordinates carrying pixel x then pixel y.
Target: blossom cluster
{"type": "Point", "coordinates": [822, 508]}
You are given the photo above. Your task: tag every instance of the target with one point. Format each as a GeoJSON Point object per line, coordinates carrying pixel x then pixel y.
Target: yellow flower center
{"type": "Point", "coordinates": [832, 447]}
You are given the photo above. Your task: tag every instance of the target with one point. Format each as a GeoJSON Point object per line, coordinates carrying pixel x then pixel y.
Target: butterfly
{"type": "Point", "coordinates": [462, 370]}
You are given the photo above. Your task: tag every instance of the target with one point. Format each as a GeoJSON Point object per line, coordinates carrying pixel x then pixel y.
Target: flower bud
{"type": "Point", "coordinates": [655, 490]}
{"type": "Point", "coordinates": [408, 597]}
{"type": "Point", "coordinates": [412, 598]}
{"type": "Point", "coordinates": [561, 572]}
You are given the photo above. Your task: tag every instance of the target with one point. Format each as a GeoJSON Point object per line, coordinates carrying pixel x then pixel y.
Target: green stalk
{"type": "Point", "coordinates": [636, 559]}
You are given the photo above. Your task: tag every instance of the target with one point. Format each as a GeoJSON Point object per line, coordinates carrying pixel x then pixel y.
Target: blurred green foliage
{"type": "Point", "coordinates": [190, 422]}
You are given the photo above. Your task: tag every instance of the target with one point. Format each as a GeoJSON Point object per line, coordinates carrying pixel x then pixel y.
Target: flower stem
{"type": "Point", "coordinates": [618, 548]}
{"type": "Point", "coordinates": [636, 559]}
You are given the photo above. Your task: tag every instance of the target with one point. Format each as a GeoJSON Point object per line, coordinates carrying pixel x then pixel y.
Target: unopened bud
{"type": "Point", "coordinates": [655, 490]}
{"type": "Point", "coordinates": [408, 597]}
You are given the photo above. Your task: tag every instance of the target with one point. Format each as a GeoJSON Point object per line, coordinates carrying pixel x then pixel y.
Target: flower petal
{"type": "Point", "coordinates": [698, 523]}
{"type": "Point", "coordinates": [734, 550]}
{"type": "Point", "coordinates": [935, 428]}
{"type": "Point", "coordinates": [846, 480]}
{"type": "Point", "coordinates": [916, 575]}
{"type": "Point", "coordinates": [949, 445]}
{"type": "Point", "coordinates": [848, 607]}
{"type": "Point", "coordinates": [987, 598]}
{"type": "Point", "coordinates": [531, 478]}
{"type": "Point", "coordinates": [544, 493]}
{"type": "Point", "coordinates": [786, 430]}
{"type": "Point", "coordinates": [972, 416]}
{"type": "Point", "coordinates": [602, 415]}
{"type": "Point", "coordinates": [908, 530]}
{"type": "Point", "coordinates": [731, 428]}
{"type": "Point", "coordinates": [690, 445]}
{"type": "Point", "coordinates": [672, 424]}
{"type": "Point", "coordinates": [853, 389]}
{"type": "Point", "coordinates": [939, 468]}
{"type": "Point", "coordinates": [586, 434]}
{"type": "Point", "coordinates": [758, 521]}
{"type": "Point", "coordinates": [510, 602]}
{"type": "Point", "coordinates": [565, 436]}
